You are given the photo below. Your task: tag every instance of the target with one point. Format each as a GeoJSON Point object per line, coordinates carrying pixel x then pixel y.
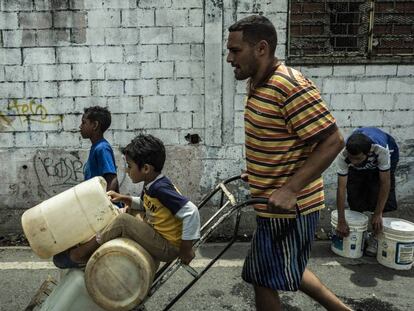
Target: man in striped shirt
{"type": "Point", "coordinates": [291, 138]}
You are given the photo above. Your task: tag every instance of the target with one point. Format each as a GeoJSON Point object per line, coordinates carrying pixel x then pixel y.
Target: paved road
{"type": "Point", "coordinates": [363, 283]}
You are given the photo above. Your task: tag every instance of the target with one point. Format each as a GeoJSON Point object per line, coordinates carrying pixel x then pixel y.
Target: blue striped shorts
{"type": "Point", "coordinates": [279, 251]}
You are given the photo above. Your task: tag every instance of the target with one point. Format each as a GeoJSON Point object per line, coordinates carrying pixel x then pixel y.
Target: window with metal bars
{"type": "Point", "coordinates": [351, 31]}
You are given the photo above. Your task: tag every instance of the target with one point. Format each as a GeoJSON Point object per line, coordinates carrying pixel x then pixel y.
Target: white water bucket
{"type": "Point", "coordinates": [119, 274]}
{"type": "Point", "coordinates": [396, 244]}
{"type": "Point", "coordinates": [70, 295]}
{"type": "Point", "coordinates": [69, 218]}
{"type": "Point", "coordinates": [351, 246]}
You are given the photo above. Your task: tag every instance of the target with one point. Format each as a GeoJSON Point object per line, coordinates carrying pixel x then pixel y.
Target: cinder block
{"type": "Point", "coordinates": [348, 70]}
{"type": "Point", "coordinates": [72, 54]}
{"type": "Point", "coordinates": [138, 17]}
{"type": "Point", "coordinates": [30, 139]}
{"type": "Point", "coordinates": [10, 56]}
{"type": "Point", "coordinates": [174, 87]}
{"type": "Point", "coordinates": [69, 19]}
{"type": "Point", "coordinates": [41, 89]}
{"type": "Point", "coordinates": [17, 6]}
{"type": "Point", "coordinates": [141, 87]}
{"type": "Point", "coordinates": [189, 69]}
{"type": "Point", "coordinates": [174, 52]}
{"type": "Point", "coordinates": [118, 121]}
{"type": "Point", "coordinates": [95, 36]}
{"type": "Point", "coordinates": [104, 19]}
{"type": "Point", "coordinates": [106, 54]}
{"type": "Point", "coordinates": [6, 140]}
{"type": "Point", "coordinates": [124, 104]}
{"type": "Point", "coordinates": [238, 119]}
{"type": "Point", "coordinates": [107, 88]}
{"type": "Point", "coordinates": [118, 36]}
{"type": "Point", "coordinates": [86, 4]}
{"type": "Point", "coordinates": [367, 118]}
{"type": "Point", "coordinates": [45, 5]}
{"type": "Point", "coordinates": [19, 38]}
{"type": "Point", "coordinates": [88, 71]}
{"type": "Point", "coordinates": [239, 135]}
{"type": "Point", "coordinates": [168, 137]}
{"type": "Point", "coordinates": [156, 35]}
{"type": "Point", "coordinates": [187, 3]}
{"type": "Point", "coordinates": [189, 103]}
{"type": "Point", "coordinates": [180, 120]}
{"type": "Point", "coordinates": [84, 102]}
{"type": "Point", "coordinates": [198, 120]}
{"type": "Point", "coordinates": [346, 102]}
{"type": "Point", "coordinates": [157, 69]}
{"type": "Point", "coordinates": [197, 86]}
{"type": "Point", "coordinates": [378, 101]}
{"type": "Point", "coordinates": [370, 85]}
{"type": "Point", "coordinates": [20, 73]}
{"type": "Point", "coordinates": [140, 53]}
{"type": "Point", "coordinates": [143, 121]}
{"type": "Point", "coordinates": [35, 20]}
{"type": "Point", "coordinates": [398, 118]}
{"type": "Point", "coordinates": [154, 3]}
{"type": "Point", "coordinates": [196, 17]}
{"type": "Point", "coordinates": [63, 139]}
{"type": "Point", "coordinates": [54, 72]}
{"type": "Point", "coordinates": [343, 118]}
{"type": "Point", "coordinates": [122, 71]}
{"type": "Point", "coordinates": [400, 85]}
{"type": "Point", "coordinates": [381, 70]}
{"type": "Point", "coordinates": [338, 85]}
{"type": "Point", "coordinates": [8, 20]}
{"type": "Point", "coordinates": [239, 102]}
{"type": "Point", "coordinates": [73, 89]}
{"type": "Point", "coordinates": [71, 122]}
{"type": "Point", "coordinates": [53, 37]}
{"type": "Point", "coordinates": [171, 17]}
{"type": "Point", "coordinates": [38, 56]}
{"type": "Point", "coordinates": [158, 103]}
{"type": "Point", "coordinates": [123, 138]}
{"type": "Point", "coordinates": [12, 90]}
{"type": "Point", "coordinates": [405, 70]}
{"type": "Point", "coordinates": [188, 35]}
{"type": "Point", "coordinates": [403, 101]}
{"type": "Point", "coordinates": [57, 105]}
{"type": "Point", "coordinates": [316, 71]}
{"type": "Point", "coordinates": [119, 4]}
{"type": "Point", "coordinates": [197, 52]}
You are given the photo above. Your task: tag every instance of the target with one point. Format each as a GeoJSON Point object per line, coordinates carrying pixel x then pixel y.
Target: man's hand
{"type": "Point", "coordinates": [377, 223]}
{"type": "Point", "coordinates": [186, 252]}
{"type": "Point", "coordinates": [342, 228]}
{"type": "Point", "coordinates": [282, 199]}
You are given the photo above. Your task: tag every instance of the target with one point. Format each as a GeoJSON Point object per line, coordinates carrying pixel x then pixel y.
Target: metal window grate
{"type": "Point", "coordinates": [340, 31]}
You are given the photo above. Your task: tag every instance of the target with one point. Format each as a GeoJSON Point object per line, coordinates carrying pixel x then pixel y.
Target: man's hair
{"type": "Point", "coordinates": [100, 114]}
{"type": "Point", "coordinates": [146, 149]}
{"type": "Point", "coordinates": [358, 143]}
{"type": "Point", "coordinates": [256, 28]}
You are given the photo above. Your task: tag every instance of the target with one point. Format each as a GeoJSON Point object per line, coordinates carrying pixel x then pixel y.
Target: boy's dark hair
{"type": "Point", "coordinates": [256, 28]}
{"type": "Point", "coordinates": [358, 143]}
{"type": "Point", "coordinates": [146, 149]}
{"type": "Point", "coordinates": [100, 114]}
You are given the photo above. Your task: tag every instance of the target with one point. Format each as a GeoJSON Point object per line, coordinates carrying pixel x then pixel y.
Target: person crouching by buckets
{"type": "Point", "coordinates": [366, 172]}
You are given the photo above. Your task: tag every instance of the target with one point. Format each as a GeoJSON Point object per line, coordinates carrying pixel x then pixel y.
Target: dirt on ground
{"type": "Point", "coordinates": [13, 239]}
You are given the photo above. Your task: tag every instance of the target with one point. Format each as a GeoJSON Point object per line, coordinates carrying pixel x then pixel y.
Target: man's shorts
{"type": "Point", "coordinates": [279, 252]}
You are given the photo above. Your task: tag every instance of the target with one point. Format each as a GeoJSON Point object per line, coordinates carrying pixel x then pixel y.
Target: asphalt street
{"type": "Point", "coordinates": [362, 283]}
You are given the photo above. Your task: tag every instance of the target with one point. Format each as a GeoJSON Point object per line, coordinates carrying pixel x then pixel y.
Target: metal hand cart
{"type": "Point", "coordinates": [228, 206]}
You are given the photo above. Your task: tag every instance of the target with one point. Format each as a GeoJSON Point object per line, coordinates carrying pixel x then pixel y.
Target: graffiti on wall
{"type": "Point", "coordinates": [25, 111]}
{"type": "Point", "coordinates": [58, 173]}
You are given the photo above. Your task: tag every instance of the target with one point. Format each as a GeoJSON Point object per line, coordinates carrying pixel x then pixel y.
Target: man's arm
{"type": "Point", "coordinates": [342, 228]}
{"type": "Point", "coordinates": [319, 160]}
{"type": "Point", "coordinates": [384, 191]}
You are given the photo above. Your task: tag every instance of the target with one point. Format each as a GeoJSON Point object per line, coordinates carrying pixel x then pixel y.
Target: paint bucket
{"type": "Point", "coordinates": [69, 218]}
{"type": "Point", "coordinates": [351, 246]}
{"type": "Point", "coordinates": [119, 274]}
{"type": "Point", "coordinates": [396, 244]}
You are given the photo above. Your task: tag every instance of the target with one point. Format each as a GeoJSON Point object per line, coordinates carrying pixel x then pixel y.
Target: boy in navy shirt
{"type": "Point", "coordinates": [101, 161]}
{"type": "Point", "coordinates": [366, 173]}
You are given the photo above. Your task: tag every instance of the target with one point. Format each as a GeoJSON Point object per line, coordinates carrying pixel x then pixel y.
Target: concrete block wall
{"type": "Point", "coordinates": [159, 66]}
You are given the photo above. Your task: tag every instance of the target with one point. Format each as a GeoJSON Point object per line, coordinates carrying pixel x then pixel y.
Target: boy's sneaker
{"type": "Point", "coordinates": [371, 246]}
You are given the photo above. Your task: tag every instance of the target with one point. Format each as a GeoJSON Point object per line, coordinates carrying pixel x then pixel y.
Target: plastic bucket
{"type": "Point", "coordinates": [396, 244]}
{"type": "Point", "coordinates": [69, 218]}
{"type": "Point", "coordinates": [70, 295]}
{"type": "Point", "coordinates": [351, 246]}
{"type": "Point", "coordinates": [119, 274]}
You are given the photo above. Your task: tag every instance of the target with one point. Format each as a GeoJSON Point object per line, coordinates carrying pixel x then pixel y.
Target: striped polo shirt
{"type": "Point", "coordinates": [284, 118]}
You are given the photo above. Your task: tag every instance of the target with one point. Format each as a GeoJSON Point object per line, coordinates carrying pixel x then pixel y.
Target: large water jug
{"type": "Point", "coordinates": [119, 274]}
{"type": "Point", "coordinates": [69, 218]}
